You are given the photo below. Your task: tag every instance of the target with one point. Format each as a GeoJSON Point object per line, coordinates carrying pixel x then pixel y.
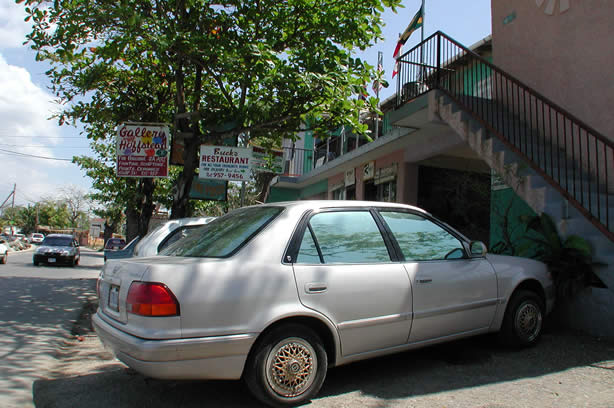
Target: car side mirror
{"type": "Point", "coordinates": [477, 249]}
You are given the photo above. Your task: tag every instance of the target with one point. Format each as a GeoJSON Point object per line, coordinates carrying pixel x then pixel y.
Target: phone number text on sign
{"type": "Point", "coordinates": [225, 163]}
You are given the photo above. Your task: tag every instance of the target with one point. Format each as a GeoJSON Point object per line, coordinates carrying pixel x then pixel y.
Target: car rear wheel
{"type": "Point", "coordinates": [4, 258]}
{"type": "Point", "coordinates": [287, 367]}
{"type": "Point", "coordinates": [524, 319]}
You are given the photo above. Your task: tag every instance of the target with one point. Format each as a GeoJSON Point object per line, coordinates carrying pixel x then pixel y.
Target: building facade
{"type": "Point", "coordinates": [517, 124]}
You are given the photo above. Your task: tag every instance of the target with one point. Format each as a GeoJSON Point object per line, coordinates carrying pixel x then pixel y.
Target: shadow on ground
{"type": "Point", "coordinates": [462, 364]}
{"type": "Point", "coordinates": [36, 316]}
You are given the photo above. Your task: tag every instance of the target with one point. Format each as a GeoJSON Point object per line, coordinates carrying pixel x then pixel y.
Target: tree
{"type": "Point", "coordinates": [77, 203]}
{"type": "Point", "coordinates": [238, 68]}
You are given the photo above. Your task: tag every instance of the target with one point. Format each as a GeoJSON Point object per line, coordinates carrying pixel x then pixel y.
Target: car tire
{"type": "Point", "coordinates": [287, 366]}
{"type": "Point", "coordinates": [524, 320]}
{"type": "Point", "coordinates": [4, 258]}
{"type": "Point", "coordinates": [35, 263]}
{"type": "Point", "coordinates": [77, 261]}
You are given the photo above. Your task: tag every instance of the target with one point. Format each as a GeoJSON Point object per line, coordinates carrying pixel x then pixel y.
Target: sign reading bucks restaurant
{"type": "Point", "coordinates": [142, 150]}
{"type": "Point", "coordinates": [225, 163]}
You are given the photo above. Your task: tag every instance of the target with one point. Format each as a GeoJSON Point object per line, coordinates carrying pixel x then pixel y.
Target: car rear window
{"type": "Point", "coordinates": [57, 241]}
{"type": "Point", "coordinates": [223, 236]}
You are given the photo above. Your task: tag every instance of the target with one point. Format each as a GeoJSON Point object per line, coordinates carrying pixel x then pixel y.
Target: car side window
{"type": "Point", "coordinates": [344, 237]}
{"type": "Point", "coordinates": [420, 239]}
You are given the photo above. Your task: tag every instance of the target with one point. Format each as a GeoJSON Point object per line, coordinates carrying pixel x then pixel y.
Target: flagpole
{"type": "Point", "coordinates": [422, 43]}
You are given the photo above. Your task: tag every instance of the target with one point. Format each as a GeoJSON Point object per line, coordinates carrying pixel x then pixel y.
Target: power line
{"type": "Point", "coordinates": [33, 155]}
{"type": "Point", "coordinates": [45, 137]}
{"type": "Point", "coordinates": [48, 146]}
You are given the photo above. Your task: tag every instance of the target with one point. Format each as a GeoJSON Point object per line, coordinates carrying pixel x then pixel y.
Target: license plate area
{"type": "Point", "coordinates": [114, 298]}
{"type": "Point", "coordinates": [51, 260]}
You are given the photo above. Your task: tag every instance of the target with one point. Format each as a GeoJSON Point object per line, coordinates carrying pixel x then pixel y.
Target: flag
{"type": "Point", "coordinates": [415, 23]}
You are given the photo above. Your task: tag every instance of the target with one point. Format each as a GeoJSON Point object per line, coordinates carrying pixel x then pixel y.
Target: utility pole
{"type": "Point", "coordinates": [13, 211]}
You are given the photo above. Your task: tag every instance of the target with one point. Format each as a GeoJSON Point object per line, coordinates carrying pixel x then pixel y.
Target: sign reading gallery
{"type": "Point", "coordinates": [142, 150]}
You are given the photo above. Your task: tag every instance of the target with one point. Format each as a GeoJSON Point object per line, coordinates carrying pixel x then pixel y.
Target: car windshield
{"type": "Point", "coordinates": [57, 241]}
{"type": "Point", "coordinates": [223, 236]}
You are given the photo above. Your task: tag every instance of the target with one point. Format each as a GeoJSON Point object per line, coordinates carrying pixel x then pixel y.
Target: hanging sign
{"type": "Point", "coordinates": [368, 170]}
{"type": "Point", "coordinates": [350, 177]}
{"type": "Point", "coordinates": [267, 161]}
{"type": "Point", "coordinates": [142, 150]}
{"type": "Point", "coordinates": [385, 174]}
{"type": "Point", "coordinates": [225, 163]}
{"type": "Point", "coordinates": [214, 190]}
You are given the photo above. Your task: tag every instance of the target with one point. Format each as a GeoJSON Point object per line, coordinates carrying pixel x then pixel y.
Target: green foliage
{"type": "Point", "coordinates": [265, 66]}
{"type": "Point", "coordinates": [569, 259]}
{"type": "Point", "coordinates": [51, 213]}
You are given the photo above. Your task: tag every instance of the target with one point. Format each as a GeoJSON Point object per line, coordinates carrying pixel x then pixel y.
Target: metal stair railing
{"type": "Point", "coordinates": [571, 156]}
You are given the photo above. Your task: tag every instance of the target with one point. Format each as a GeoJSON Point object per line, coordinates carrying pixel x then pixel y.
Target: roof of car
{"type": "Point", "coordinates": [315, 204]}
{"type": "Point", "coordinates": [59, 236]}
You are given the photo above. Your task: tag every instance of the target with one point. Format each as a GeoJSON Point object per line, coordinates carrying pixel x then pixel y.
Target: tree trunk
{"type": "Point", "coordinates": [139, 215]}
{"type": "Point", "coordinates": [181, 198]}
{"type": "Point", "coordinates": [108, 232]}
{"type": "Point", "coordinates": [262, 182]}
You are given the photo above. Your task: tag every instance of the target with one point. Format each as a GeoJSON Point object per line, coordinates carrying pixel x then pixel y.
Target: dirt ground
{"type": "Point", "coordinates": [565, 369]}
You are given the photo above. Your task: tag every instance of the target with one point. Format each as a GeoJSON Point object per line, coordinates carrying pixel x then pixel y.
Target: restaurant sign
{"type": "Point", "coordinates": [142, 150]}
{"type": "Point", "coordinates": [225, 163]}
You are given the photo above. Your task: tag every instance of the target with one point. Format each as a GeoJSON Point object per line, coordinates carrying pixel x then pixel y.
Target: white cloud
{"type": "Point", "coordinates": [13, 28]}
{"type": "Point", "coordinates": [24, 112]}
{"type": "Point", "coordinates": [25, 108]}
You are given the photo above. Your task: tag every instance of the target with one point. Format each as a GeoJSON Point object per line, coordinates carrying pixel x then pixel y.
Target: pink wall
{"type": "Point", "coordinates": [568, 57]}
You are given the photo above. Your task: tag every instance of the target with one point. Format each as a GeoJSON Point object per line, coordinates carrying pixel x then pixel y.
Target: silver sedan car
{"type": "Point", "coordinates": [275, 294]}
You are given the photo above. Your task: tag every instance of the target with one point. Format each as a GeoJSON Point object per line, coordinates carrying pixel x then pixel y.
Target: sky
{"type": "Point", "coordinates": [26, 104]}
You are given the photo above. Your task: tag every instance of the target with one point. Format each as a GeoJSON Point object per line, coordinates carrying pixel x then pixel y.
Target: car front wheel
{"type": "Point", "coordinates": [524, 319]}
{"type": "Point", "coordinates": [4, 258]}
{"type": "Point", "coordinates": [287, 367]}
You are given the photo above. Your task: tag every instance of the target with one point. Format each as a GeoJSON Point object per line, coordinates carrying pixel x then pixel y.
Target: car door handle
{"type": "Point", "coordinates": [316, 287]}
{"type": "Point", "coordinates": [425, 280]}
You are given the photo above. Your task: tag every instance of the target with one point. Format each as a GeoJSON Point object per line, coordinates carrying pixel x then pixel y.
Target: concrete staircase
{"type": "Point", "coordinates": [592, 310]}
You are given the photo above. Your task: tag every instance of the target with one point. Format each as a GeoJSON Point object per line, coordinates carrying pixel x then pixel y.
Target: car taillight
{"type": "Point", "coordinates": [151, 299]}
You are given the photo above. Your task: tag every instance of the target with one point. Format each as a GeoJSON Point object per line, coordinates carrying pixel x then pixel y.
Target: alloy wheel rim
{"type": "Point", "coordinates": [291, 367]}
{"type": "Point", "coordinates": [528, 320]}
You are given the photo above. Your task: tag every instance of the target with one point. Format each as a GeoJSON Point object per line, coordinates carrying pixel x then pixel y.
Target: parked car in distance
{"type": "Point", "coordinates": [159, 238]}
{"type": "Point", "coordinates": [4, 251]}
{"type": "Point", "coordinates": [57, 249]}
{"type": "Point", "coordinates": [125, 252]}
{"type": "Point", "coordinates": [115, 243]}
{"type": "Point", "coordinates": [277, 293]}
{"type": "Point", "coordinates": [36, 238]}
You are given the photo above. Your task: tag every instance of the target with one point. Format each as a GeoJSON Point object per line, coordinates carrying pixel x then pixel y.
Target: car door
{"type": "Point", "coordinates": [453, 293]}
{"type": "Point", "coordinates": [344, 270]}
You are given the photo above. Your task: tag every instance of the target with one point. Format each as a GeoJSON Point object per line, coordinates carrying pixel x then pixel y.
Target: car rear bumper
{"type": "Point", "coordinates": [219, 357]}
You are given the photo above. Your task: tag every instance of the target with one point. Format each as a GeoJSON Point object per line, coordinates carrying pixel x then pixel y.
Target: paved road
{"type": "Point", "coordinates": [37, 308]}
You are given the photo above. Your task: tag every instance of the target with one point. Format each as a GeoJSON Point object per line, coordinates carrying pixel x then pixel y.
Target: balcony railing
{"type": "Point", "coordinates": [573, 157]}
